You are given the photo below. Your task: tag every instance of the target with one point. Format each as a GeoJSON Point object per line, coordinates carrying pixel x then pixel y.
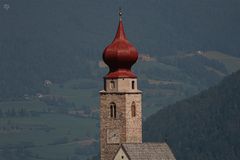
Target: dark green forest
{"type": "Point", "coordinates": [205, 126]}
{"type": "Point", "coordinates": [184, 47]}
{"type": "Point", "coordinates": [55, 40]}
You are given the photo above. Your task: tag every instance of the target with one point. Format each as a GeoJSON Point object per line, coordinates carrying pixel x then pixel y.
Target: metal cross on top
{"type": "Point", "coordinates": [120, 12]}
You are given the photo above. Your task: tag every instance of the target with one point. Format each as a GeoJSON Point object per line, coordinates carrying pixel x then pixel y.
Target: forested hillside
{"type": "Point", "coordinates": [205, 126]}
{"type": "Point", "coordinates": [51, 69]}
{"type": "Point", "coordinates": [56, 40]}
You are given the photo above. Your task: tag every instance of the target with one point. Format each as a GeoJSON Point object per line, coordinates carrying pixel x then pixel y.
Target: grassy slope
{"type": "Point", "coordinates": [158, 90]}
{"type": "Point", "coordinates": [52, 40]}
{"type": "Point", "coordinates": [45, 129]}
{"type": "Point", "coordinates": [231, 63]}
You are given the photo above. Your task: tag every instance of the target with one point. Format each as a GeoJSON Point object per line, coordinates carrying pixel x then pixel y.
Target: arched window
{"type": "Point", "coordinates": [133, 109]}
{"type": "Point", "coordinates": [133, 84]}
{"type": "Point", "coordinates": [113, 110]}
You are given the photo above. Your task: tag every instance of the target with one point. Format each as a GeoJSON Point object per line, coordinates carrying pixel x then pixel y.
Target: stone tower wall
{"type": "Point", "coordinates": [134, 123]}
{"type": "Point", "coordinates": [124, 128]}
{"type": "Point", "coordinates": [128, 127]}
{"type": "Point", "coordinates": [107, 150]}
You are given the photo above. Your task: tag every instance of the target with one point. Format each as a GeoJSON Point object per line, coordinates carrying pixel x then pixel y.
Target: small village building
{"type": "Point", "coordinates": [47, 83]}
{"type": "Point", "coordinates": [144, 151]}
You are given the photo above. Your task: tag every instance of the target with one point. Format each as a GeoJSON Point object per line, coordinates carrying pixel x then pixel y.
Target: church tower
{"type": "Point", "coordinates": [120, 100]}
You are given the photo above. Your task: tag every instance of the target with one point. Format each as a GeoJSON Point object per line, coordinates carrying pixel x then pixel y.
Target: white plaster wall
{"type": "Point", "coordinates": [121, 85]}
{"type": "Point", "coordinates": [121, 155]}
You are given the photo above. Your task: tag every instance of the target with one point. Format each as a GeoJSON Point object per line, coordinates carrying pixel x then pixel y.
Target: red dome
{"type": "Point", "coordinates": [120, 55]}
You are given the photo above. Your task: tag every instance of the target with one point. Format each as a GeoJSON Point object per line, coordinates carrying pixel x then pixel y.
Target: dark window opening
{"type": "Point", "coordinates": [133, 109]}
{"type": "Point", "coordinates": [105, 85]}
{"type": "Point", "coordinates": [112, 84]}
{"type": "Point", "coordinates": [113, 110]}
{"type": "Point", "coordinates": [133, 84]}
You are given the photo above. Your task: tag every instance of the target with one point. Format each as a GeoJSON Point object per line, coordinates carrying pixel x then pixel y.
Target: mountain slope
{"type": "Point", "coordinates": [53, 40]}
{"type": "Point", "coordinates": [206, 126]}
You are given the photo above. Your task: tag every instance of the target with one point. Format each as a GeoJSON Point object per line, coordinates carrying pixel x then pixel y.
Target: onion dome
{"type": "Point", "coordinates": [120, 55]}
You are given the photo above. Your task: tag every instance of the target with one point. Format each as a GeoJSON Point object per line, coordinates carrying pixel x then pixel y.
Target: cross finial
{"type": "Point", "coordinates": [120, 13]}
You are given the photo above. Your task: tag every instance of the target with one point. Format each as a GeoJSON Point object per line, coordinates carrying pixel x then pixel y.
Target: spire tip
{"type": "Point", "coordinates": [120, 13]}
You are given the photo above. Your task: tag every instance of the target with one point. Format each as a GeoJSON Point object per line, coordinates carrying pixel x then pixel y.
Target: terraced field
{"type": "Point", "coordinates": [63, 124]}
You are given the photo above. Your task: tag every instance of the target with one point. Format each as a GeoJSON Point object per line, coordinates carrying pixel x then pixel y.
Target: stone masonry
{"type": "Point", "coordinates": [124, 128]}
